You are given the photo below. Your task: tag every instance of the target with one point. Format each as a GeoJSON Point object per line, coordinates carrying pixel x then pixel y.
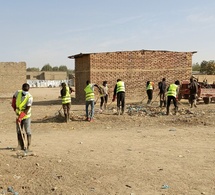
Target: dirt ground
{"type": "Point", "coordinates": [138, 153]}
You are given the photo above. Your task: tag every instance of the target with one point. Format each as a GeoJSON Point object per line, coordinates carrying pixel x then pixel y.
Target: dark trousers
{"type": "Point", "coordinates": [150, 95]}
{"type": "Point", "coordinates": [121, 100]}
{"type": "Point", "coordinates": [192, 99]}
{"type": "Point", "coordinates": [162, 99]}
{"type": "Point", "coordinates": [104, 99]}
{"type": "Point", "coordinates": [169, 99]}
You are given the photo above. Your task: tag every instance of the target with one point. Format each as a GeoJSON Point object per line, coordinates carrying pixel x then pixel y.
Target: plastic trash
{"type": "Point", "coordinates": [164, 186]}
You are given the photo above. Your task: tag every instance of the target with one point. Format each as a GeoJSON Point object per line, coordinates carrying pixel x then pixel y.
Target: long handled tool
{"type": "Point", "coordinates": [96, 100]}
{"type": "Point", "coordinates": [23, 136]}
{"type": "Point", "coordinates": [143, 99]}
{"type": "Point", "coordinates": [155, 99]}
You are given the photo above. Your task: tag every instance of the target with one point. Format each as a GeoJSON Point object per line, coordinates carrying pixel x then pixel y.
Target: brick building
{"type": "Point", "coordinates": [12, 76]}
{"type": "Point", "coordinates": [133, 67]}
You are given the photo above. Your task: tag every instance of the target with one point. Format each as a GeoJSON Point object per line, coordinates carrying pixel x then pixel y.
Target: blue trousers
{"type": "Point", "coordinates": [91, 114]}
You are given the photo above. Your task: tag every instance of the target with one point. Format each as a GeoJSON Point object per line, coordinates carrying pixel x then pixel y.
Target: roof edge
{"type": "Point", "coordinates": [83, 54]}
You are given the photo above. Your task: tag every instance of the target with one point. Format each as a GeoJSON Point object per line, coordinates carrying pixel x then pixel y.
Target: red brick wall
{"type": "Point", "coordinates": [135, 68]}
{"type": "Point", "coordinates": [12, 76]}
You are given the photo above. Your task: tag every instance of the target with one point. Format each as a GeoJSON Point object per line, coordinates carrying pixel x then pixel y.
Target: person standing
{"type": "Point", "coordinates": [119, 92]}
{"type": "Point", "coordinates": [162, 88]}
{"type": "Point", "coordinates": [193, 87]}
{"type": "Point", "coordinates": [90, 100]}
{"type": "Point", "coordinates": [21, 102]}
{"type": "Point", "coordinates": [149, 91]}
{"type": "Point", "coordinates": [104, 95]}
{"type": "Point", "coordinates": [172, 92]}
{"type": "Point", "coordinates": [66, 100]}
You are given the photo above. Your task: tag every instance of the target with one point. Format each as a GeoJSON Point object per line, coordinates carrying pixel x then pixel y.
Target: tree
{"type": "Point", "coordinates": [70, 71]}
{"type": "Point", "coordinates": [211, 67]}
{"type": "Point", "coordinates": [196, 67]}
{"type": "Point", "coordinates": [63, 68]}
{"type": "Point", "coordinates": [55, 68]}
{"type": "Point", "coordinates": [208, 67]}
{"type": "Point", "coordinates": [47, 67]}
{"type": "Point", "coordinates": [33, 69]}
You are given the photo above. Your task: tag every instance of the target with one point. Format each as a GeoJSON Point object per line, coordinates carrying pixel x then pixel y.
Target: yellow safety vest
{"type": "Point", "coordinates": [89, 93]}
{"type": "Point", "coordinates": [150, 86]}
{"type": "Point", "coordinates": [21, 105]}
{"type": "Point", "coordinates": [172, 91]}
{"type": "Point", "coordinates": [67, 98]}
{"type": "Point", "coordinates": [120, 86]}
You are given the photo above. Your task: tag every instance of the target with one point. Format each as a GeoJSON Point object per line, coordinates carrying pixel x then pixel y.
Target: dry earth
{"type": "Point", "coordinates": [134, 154]}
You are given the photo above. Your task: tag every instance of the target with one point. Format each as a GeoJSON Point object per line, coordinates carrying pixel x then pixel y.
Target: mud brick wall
{"type": "Point", "coordinates": [135, 68]}
{"type": "Point", "coordinates": [82, 74]}
{"type": "Point", "coordinates": [12, 76]}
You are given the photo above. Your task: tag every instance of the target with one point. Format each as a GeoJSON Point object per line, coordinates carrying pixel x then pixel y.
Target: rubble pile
{"type": "Point", "coordinates": [183, 115]}
{"type": "Point", "coordinates": [140, 110]}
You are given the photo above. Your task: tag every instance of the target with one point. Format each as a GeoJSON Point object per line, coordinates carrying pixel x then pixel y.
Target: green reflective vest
{"type": "Point", "coordinates": [150, 86]}
{"type": "Point", "coordinates": [67, 98]}
{"type": "Point", "coordinates": [172, 91]}
{"type": "Point", "coordinates": [120, 86]}
{"type": "Point", "coordinates": [89, 92]}
{"type": "Point", "coordinates": [21, 104]}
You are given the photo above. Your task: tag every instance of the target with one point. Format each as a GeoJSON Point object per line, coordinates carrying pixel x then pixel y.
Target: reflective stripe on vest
{"type": "Point", "coordinates": [21, 105]}
{"type": "Point", "coordinates": [89, 93]}
{"type": "Point", "coordinates": [120, 86]}
{"type": "Point", "coordinates": [172, 91]}
{"type": "Point", "coordinates": [104, 91]}
{"type": "Point", "coordinates": [67, 98]}
{"type": "Point", "coordinates": [150, 86]}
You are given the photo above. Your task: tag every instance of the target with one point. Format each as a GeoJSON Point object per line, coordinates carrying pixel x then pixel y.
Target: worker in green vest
{"type": "Point", "coordinates": [119, 92]}
{"type": "Point", "coordinates": [21, 103]}
{"type": "Point", "coordinates": [90, 100]}
{"type": "Point", "coordinates": [149, 91]}
{"type": "Point", "coordinates": [172, 93]}
{"type": "Point", "coordinates": [66, 100]}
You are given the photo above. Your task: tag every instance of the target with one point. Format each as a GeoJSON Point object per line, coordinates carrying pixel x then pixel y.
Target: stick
{"type": "Point", "coordinates": [96, 100]}
{"type": "Point", "coordinates": [23, 135]}
{"type": "Point", "coordinates": [155, 98]}
{"type": "Point", "coordinates": [143, 99]}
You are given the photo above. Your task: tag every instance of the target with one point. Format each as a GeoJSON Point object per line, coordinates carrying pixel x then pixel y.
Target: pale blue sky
{"type": "Point", "coordinates": [48, 31]}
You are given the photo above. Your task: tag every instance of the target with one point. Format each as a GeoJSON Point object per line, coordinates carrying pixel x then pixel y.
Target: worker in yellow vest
{"type": "Point", "coordinates": [21, 102]}
{"type": "Point", "coordinates": [66, 100]}
{"type": "Point", "coordinates": [90, 100]}
{"type": "Point", "coordinates": [172, 94]}
{"type": "Point", "coordinates": [119, 92]}
{"type": "Point", "coordinates": [149, 90]}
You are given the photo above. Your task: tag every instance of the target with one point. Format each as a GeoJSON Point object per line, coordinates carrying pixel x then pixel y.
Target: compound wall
{"type": "Point", "coordinates": [12, 76]}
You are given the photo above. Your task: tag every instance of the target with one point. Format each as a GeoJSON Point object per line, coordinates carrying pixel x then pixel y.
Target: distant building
{"type": "Point", "coordinates": [46, 75]}
{"type": "Point", "coordinates": [133, 67]}
{"type": "Point", "coordinates": [48, 78]}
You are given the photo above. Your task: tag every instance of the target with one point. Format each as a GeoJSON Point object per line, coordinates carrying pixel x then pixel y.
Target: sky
{"type": "Point", "coordinates": [44, 32]}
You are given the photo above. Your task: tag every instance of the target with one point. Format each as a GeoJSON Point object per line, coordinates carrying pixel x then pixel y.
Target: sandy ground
{"type": "Point", "coordinates": [138, 153]}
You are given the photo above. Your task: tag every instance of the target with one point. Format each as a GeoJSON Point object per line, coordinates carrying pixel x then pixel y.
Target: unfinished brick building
{"type": "Point", "coordinates": [12, 76]}
{"type": "Point", "coordinates": [133, 67]}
